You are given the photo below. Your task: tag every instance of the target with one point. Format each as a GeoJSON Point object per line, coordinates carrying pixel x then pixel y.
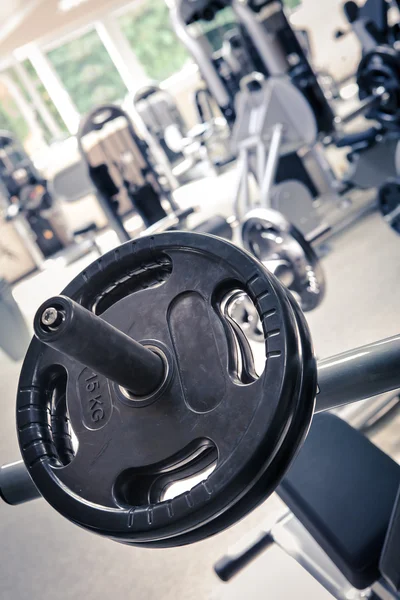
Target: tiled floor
{"type": "Point", "coordinates": [43, 556]}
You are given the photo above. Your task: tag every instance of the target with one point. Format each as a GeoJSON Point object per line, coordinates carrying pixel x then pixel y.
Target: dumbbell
{"type": "Point", "coordinates": [139, 379]}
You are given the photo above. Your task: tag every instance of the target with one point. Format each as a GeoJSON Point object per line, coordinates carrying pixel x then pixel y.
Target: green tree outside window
{"type": "Point", "coordinates": [290, 4]}
{"type": "Point", "coordinates": [215, 30]}
{"type": "Point", "coordinates": [87, 72]}
{"type": "Point", "coordinates": [153, 40]}
{"type": "Point", "coordinates": [10, 117]}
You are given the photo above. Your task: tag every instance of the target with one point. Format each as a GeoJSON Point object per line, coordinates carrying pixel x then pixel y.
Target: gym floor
{"type": "Point", "coordinates": [44, 556]}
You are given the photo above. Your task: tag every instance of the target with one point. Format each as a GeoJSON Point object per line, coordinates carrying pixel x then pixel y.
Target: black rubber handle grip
{"type": "Point", "coordinates": [228, 566]}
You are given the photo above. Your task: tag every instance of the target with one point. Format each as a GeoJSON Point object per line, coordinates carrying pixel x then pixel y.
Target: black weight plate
{"type": "Point", "coordinates": [389, 203]}
{"type": "Point", "coordinates": [381, 68]}
{"type": "Point", "coordinates": [166, 290]}
{"type": "Point", "coordinates": [270, 237]}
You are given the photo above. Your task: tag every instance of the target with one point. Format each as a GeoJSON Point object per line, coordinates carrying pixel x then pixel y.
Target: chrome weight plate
{"type": "Point", "coordinates": [285, 252]}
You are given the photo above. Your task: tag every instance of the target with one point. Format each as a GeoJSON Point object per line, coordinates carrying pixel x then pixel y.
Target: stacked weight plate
{"type": "Point", "coordinates": [106, 458]}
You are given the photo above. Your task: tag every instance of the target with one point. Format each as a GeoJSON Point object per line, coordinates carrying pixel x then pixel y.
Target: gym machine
{"type": "Point", "coordinates": [370, 23]}
{"type": "Point", "coordinates": [378, 76]}
{"type": "Point", "coordinates": [158, 113]}
{"type": "Point", "coordinates": [184, 148]}
{"type": "Point", "coordinates": [371, 151]}
{"type": "Point", "coordinates": [274, 122]}
{"type": "Point", "coordinates": [138, 331]}
{"type": "Point", "coordinates": [28, 204]}
{"type": "Point", "coordinates": [263, 25]}
{"type": "Point", "coordinates": [121, 167]}
{"type": "Point", "coordinates": [262, 41]}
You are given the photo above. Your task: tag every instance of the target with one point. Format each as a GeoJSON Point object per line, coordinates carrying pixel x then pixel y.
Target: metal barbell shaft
{"type": "Point", "coordinates": [16, 485]}
{"type": "Point", "coordinates": [75, 331]}
{"type": "Point", "coordinates": [359, 374]}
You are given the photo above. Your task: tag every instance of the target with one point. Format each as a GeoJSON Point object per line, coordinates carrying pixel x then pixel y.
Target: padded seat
{"type": "Point", "coordinates": [342, 488]}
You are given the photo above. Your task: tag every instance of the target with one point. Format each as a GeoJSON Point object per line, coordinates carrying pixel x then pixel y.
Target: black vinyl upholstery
{"type": "Point", "coordinates": [342, 488]}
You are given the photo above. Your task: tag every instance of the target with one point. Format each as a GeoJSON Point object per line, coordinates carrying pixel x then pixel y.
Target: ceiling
{"type": "Point", "coordinates": [10, 8]}
{"type": "Point", "coordinates": [27, 21]}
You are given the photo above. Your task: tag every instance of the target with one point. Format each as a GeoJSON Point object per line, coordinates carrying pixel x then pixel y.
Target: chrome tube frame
{"type": "Point", "coordinates": [359, 374]}
{"type": "Point", "coordinates": [201, 57]}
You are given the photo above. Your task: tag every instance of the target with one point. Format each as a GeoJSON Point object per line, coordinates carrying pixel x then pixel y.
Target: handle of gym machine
{"type": "Point", "coordinates": [16, 485]}
{"type": "Point", "coordinates": [362, 107]}
{"type": "Point", "coordinates": [229, 565]}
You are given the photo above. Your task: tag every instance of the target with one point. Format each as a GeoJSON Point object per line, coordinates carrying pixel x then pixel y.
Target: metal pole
{"type": "Point", "coordinates": [242, 185]}
{"type": "Point", "coordinates": [359, 374]}
{"type": "Point", "coordinates": [202, 56]}
{"type": "Point", "coordinates": [260, 162]}
{"type": "Point", "coordinates": [272, 164]}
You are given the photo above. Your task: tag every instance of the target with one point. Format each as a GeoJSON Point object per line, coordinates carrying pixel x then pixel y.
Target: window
{"type": "Point", "coordinates": [149, 32]}
{"type": "Point", "coordinates": [44, 95]}
{"type": "Point", "coordinates": [16, 80]}
{"type": "Point", "coordinates": [214, 30]}
{"type": "Point", "coordinates": [290, 4]}
{"type": "Point", "coordinates": [11, 118]}
{"type": "Point", "coordinates": [87, 72]}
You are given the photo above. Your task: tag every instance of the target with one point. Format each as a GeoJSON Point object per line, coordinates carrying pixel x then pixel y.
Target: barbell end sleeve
{"type": "Point", "coordinates": [68, 327]}
{"type": "Point", "coordinates": [16, 485]}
